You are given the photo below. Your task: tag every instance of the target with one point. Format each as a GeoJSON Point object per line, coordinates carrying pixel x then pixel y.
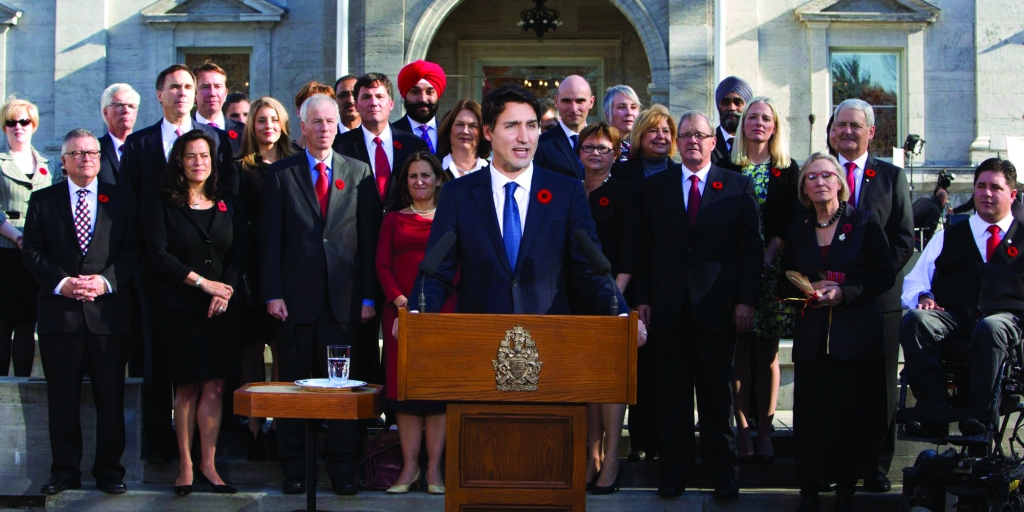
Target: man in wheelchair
{"type": "Point", "coordinates": [966, 299]}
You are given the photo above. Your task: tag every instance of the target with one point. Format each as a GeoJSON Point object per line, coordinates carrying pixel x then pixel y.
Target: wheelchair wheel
{"type": "Point", "coordinates": [926, 498]}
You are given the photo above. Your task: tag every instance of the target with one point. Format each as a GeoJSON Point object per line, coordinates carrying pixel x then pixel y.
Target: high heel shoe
{"type": "Point", "coordinates": [435, 489]}
{"type": "Point", "coordinates": [601, 489]}
{"type": "Point", "coordinates": [183, 490]}
{"type": "Point", "coordinates": [590, 484]}
{"type": "Point", "coordinates": [404, 488]}
{"type": "Point", "coordinates": [216, 489]}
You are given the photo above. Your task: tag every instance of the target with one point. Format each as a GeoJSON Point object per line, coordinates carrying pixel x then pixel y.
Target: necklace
{"type": "Point", "coordinates": [195, 202]}
{"type": "Point", "coordinates": [422, 212]}
{"type": "Point", "coordinates": [839, 213]}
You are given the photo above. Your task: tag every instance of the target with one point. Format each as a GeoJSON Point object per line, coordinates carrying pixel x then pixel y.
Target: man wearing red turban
{"type": "Point", "coordinates": [421, 85]}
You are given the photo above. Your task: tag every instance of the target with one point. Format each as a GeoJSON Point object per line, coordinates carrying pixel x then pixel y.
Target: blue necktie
{"type": "Point", "coordinates": [425, 135]}
{"type": "Point", "coordinates": [512, 233]}
{"type": "Point", "coordinates": [575, 139]}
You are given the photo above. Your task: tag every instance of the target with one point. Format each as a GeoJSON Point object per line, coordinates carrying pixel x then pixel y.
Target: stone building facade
{"type": "Point", "coordinates": [944, 69]}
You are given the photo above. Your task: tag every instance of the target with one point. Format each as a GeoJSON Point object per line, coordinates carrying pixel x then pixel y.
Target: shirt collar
{"type": "Point", "coordinates": [979, 225]}
{"type": "Point", "coordinates": [725, 135]}
{"type": "Point", "coordinates": [702, 174]}
{"type": "Point", "coordinates": [498, 180]}
{"type": "Point", "coordinates": [219, 120]}
{"type": "Point", "coordinates": [92, 187]}
{"type": "Point", "coordinates": [415, 125]}
{"type": "Point", "coordinates": [313, 161]}
{"type": "Point", "coordinates": [167, 128]}
{"type": "Point", "coordinates": [385, 134]}
{"type": "Point", "coordinates": [569, 133]}
{"type": "Point", "coordinates": [860, 161]}
{"type": "Point", "coordinates": [117, 142]}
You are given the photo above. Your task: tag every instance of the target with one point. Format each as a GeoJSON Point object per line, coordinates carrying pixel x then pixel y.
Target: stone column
{"type": "Point", "coordinates": [690, 56]}
{"type": "Point", "coordinates": [80, 65]}
{"type": "Point", "coordinates": [260, 59]}
{"type": "Point", "coordinates": [384, 43]}
{"type": "Point", "coordinates": [821, 80]}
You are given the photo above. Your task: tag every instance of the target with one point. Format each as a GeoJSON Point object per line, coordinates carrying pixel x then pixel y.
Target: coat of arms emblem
{"type": "Point", "coordinates": [517, 367]}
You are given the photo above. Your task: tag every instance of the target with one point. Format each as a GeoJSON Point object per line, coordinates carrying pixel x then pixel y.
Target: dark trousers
{"type": "Point", "coordinates": [302, 349]}
{"type": "Point", "coordinates": [64, 357]}
{"type": "Point", "coordinates": [157, 401]}
{"type": "Point", "coordinates": [688, 358]}
{"type": "Point", "coordinates": [924, 334]}
{"type": "Point", "coordinates": [891, 328]}
{"type": "Point", "coordinates": [643, 434]}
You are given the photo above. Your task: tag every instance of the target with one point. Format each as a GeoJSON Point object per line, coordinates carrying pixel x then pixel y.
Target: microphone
{"type": "Point", "coordinates": [428, 267]}
{"type": "Point", "coordinates": [599, 263]}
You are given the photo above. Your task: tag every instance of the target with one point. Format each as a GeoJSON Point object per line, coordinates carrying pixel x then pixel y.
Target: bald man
{"type": "Point", "coordinates": [556, 148]}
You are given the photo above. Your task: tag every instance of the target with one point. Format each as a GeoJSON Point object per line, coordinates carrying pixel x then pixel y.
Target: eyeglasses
{"type": "Point", "coordinates": [126, 106]}
{"type": "Point", "coordinates": [80, 155]}
{"type": "Point", "coordinates": [590, 148]}
{"type": "Point", "coordinates": [696, 135]}
{"type": "Point", "coordinates": [813, 176]}
{"type": "Point", "coordinates": [10, 123]}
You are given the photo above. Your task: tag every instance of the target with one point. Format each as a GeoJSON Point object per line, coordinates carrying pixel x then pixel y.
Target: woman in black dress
{"type": "Point", "coordinates": [264, 141]}
{"type": "Point", "coordinates": [616, 211]}
{"type": "Point", "coordinates": [197, 241]}
{"type": "Point", "coordinates": [839, 414]}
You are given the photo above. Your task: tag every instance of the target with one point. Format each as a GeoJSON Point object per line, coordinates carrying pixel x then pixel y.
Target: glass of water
{"type": "Point", "coordinates": [337, 363]}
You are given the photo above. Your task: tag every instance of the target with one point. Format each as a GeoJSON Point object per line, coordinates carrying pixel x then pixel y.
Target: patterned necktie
{"type": "Point", "coordinates": [575, 139]}
{"type": "Point", "coordinates": [993, 241]}
{"type": "Point", "coordinates": [425, 135]}
{"type": "Point", "coordinates": [512, 232]}
{"type": "Point", "coordinates": [82, 221]}
{"type": "Point", "coordinates": [693, 202]}
{"type": "Point", "coordinates": [381, 168]}
{"type": "Point", "coordinates": [321, 188]}
{"type": "Point", "coordinates": [851, 181]}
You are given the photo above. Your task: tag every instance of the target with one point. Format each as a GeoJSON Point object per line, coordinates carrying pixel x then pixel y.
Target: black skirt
{"type": "Point", "coordinates": [198, 348]}
{"type": "Point", "coordinates": [19, 291]}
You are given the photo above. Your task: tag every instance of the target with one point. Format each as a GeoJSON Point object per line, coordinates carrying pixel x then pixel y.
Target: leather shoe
{"type": "Point", "coordinates": [972, 427]}
{"type": "Point", "coordinates": [57, 484]}
{"type": "Point", "coordinates": [727, 490]}
{"type": "Point", "coordinates": [112, 487]}
{"type": "Point", "coordinates": [877, 483]}
{"type": "Point", "coordinates": [671, 490]}
{"type": "Point", "coordinates": [345, 488]}
{"type": "Point", "coordinates": [927, 430]}
{"type": "Point", "coordinates": [293, 487]}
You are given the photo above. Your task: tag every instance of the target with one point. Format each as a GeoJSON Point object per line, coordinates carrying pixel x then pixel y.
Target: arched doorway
{"type": "Point", "coordinates": [479, 44]}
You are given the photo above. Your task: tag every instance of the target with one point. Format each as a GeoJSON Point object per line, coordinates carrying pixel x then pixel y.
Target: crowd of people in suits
{"type": "Point", "coordinates": [187, 246]}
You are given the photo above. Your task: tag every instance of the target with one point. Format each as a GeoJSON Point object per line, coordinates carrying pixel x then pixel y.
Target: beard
{"type": "Point", "coordinates": [413, 109]}
{"type": "Point", "coordinates": [730, 120]}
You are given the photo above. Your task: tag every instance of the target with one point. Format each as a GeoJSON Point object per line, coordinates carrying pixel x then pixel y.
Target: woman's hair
{"type": "Point", "coordinates": [844, 189]}
{"type": "Point", "coordinates": [173, 184]}
{"type": "Point", "coordinates": [648, 119]}
{"type": "Point", "coordinates": [15, 106]}
{"type": "Point", "coordinates": [404, 197]}
{"type": "Point", "coordinates": [309, 89]}
{"type": "Point", "coordinates": [444, 133]}
{"type": "Point", "coordinates": [778, 144]}
{"type": "Point", "coordinates": [601, 129]}
{"type": "Point", "coordinates": [250, 149]}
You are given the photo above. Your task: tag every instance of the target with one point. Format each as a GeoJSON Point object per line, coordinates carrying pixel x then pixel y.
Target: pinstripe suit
{"type": "Point", "coordinates": [15, 189]}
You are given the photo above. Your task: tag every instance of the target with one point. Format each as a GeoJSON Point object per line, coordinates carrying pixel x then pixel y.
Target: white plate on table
{"type": "Point", "coordinates": [326, 384]}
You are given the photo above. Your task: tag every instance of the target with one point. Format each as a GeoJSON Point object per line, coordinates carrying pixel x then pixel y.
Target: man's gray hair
{"type": "Point", "coordinates": [315, 101]}
{"type": "Point", "coordinates": [690, 114]}
{"type": "Point", "coordinates": [107, 98]}
{"type": "Point", "coordinates": [863, 106]}
{"type": "Point", "coordinates": [77, 133]}
{"type": "Point", "coordinates": [624, 90]}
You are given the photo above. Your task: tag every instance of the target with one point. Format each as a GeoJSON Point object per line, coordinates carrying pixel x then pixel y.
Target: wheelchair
{"type": "Point", "coordinates": [973, 469]}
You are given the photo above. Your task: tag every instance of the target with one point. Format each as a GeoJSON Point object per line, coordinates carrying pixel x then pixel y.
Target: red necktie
{"type": "Point", "coordinates": [693, 203]}
{"type": "Point", "coordinates": [851, 180]}
{"type": "Point", "coordinates": [993, 241]}
{"type": "Point", "coordinates": [381, 168]}
{"type": "Point", "coordinates": [321, 188]}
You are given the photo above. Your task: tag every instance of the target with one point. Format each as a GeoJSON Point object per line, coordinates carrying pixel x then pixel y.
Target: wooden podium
{"type": "Point", "coordinates": [516, 449]}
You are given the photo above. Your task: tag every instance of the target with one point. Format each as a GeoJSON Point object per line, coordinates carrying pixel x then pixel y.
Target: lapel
{"type": "Point", "coordinates": [674, 201]}
{"type": "Point", "coordinates": [109, 152]}
{"type": "Point", "coordinates": [67, 217]}
{"type": "Point", "coordinates": [10, 170]}
{"type": "Point", "coordinates": [710, 192]}
{"type": "Point", "coordinates": [485, 205]}
{"type": "Point", "coordinates": [838, 245]}
{"type": "Point", "coordinates": [565, 147]}
{"type": "Point", "coordinates": [1009, 236]}
{"type": "Point", "coordinates": [867, 182]}
{"type": "Point", "coordinates": [154, 144]}
{"type": "Point", "coordinates": [101, 233]}
{"type": "Point", "coordinates": [336, 195]}
{"type": "Point", "coordinates": [301, 174]}
{"type": "Point", "coordinates": [536, 215]}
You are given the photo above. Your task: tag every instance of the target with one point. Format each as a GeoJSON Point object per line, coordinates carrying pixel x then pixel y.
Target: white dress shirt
{"type": "Point", "coordinates": [219, 120]}
{"type": "Point", "coordinates": [728, 138]}
{"type": "Point", "coordinates": [448, 163]}
{"type": "Point", "coordinates": [117, 145]}
{"type": "Point", "coordinates": [858, 176]}
{"type": "Point", "coordinates": [702, 178]}
{"type": "Point", "coordinates": [919, 279]}
{"type": "Point", "coordinates": [387, 140]}
{"type": "Point", "coordinates": [522, 195]}
{"type": "Point", "coordinates": [169, 136]}
{"type": "Point", "coordinates": [569, 133]}
{"type": "Point", "coordinates": [342, 128]}
{"type": "Point", "coordinates": [90, 201]}
{"type": "Point", "coordinates": [431, 132]}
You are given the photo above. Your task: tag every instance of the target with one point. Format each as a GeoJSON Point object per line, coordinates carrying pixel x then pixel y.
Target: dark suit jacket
{"type": "Point", "coordinates": [887, 195]}
{"type": "Point", "coordinates": [403, 124]}
{"type": "Point", "coordinates": [307, 260]}
{"type": "Point", "coordinates": [713, 266]}
{"type": "Point", "coordinates": [720, 155]}
{"type": "Point", "coordinates": [782, 202]}
{"type": "Point", "coordinates": [632, 170]}
{"type": "Point", "coordinates": [51, 253]}
{"type": "Point", "coordinates": [110, 165]}
{"type": "Point", "coordinates": [352, 145]}
{"type": "Point", "coordinates": [230, 125]}
{"type": "Point", "coordinates": [554, 152]}
{"type": "Point", "coordinates": [178, 243]}
{"type": "Point", "coordinates": [855, 331]}
{"type": "Point", "coordinates": [143, 161]}
{"type": "Point", "coordinates": [549, 261]}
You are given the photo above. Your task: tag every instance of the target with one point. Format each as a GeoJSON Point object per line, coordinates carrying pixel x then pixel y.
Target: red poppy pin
{"type": "Point", "coordinates": [42, 170]}
{"type": "Point", "coordinates": [102, 198]}
{"type": "Point", "coordinates": [340, 184]}
{"type": "Point", "coordinates": [233, 134]}
{"type": "Point", "coordinates": [717, 185]}
{"type": "Point", "coordinates": [544, 196]}
{"type": "Point", "coordinates": [221, 206]}
{"type": "Point", "coordinates": [1011, 251]}
{"type": "Point", "coordinates": [776, 173]}
{"type": "Point", "coordinates": [847, 228]}
{"type": "Point", "coordinates": [870, 173]}
{"type": "Point", "coordinates": [603, 201]}
{"type": "Point", "coordinates": [398, 145]}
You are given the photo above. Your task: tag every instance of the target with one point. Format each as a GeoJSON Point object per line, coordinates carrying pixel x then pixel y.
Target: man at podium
{"type": "Point", "coordinates": [514, 227]}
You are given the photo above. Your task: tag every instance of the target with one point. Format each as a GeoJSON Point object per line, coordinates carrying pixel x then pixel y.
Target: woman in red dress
{"type": "Point", "coordinates": [400, 248]}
